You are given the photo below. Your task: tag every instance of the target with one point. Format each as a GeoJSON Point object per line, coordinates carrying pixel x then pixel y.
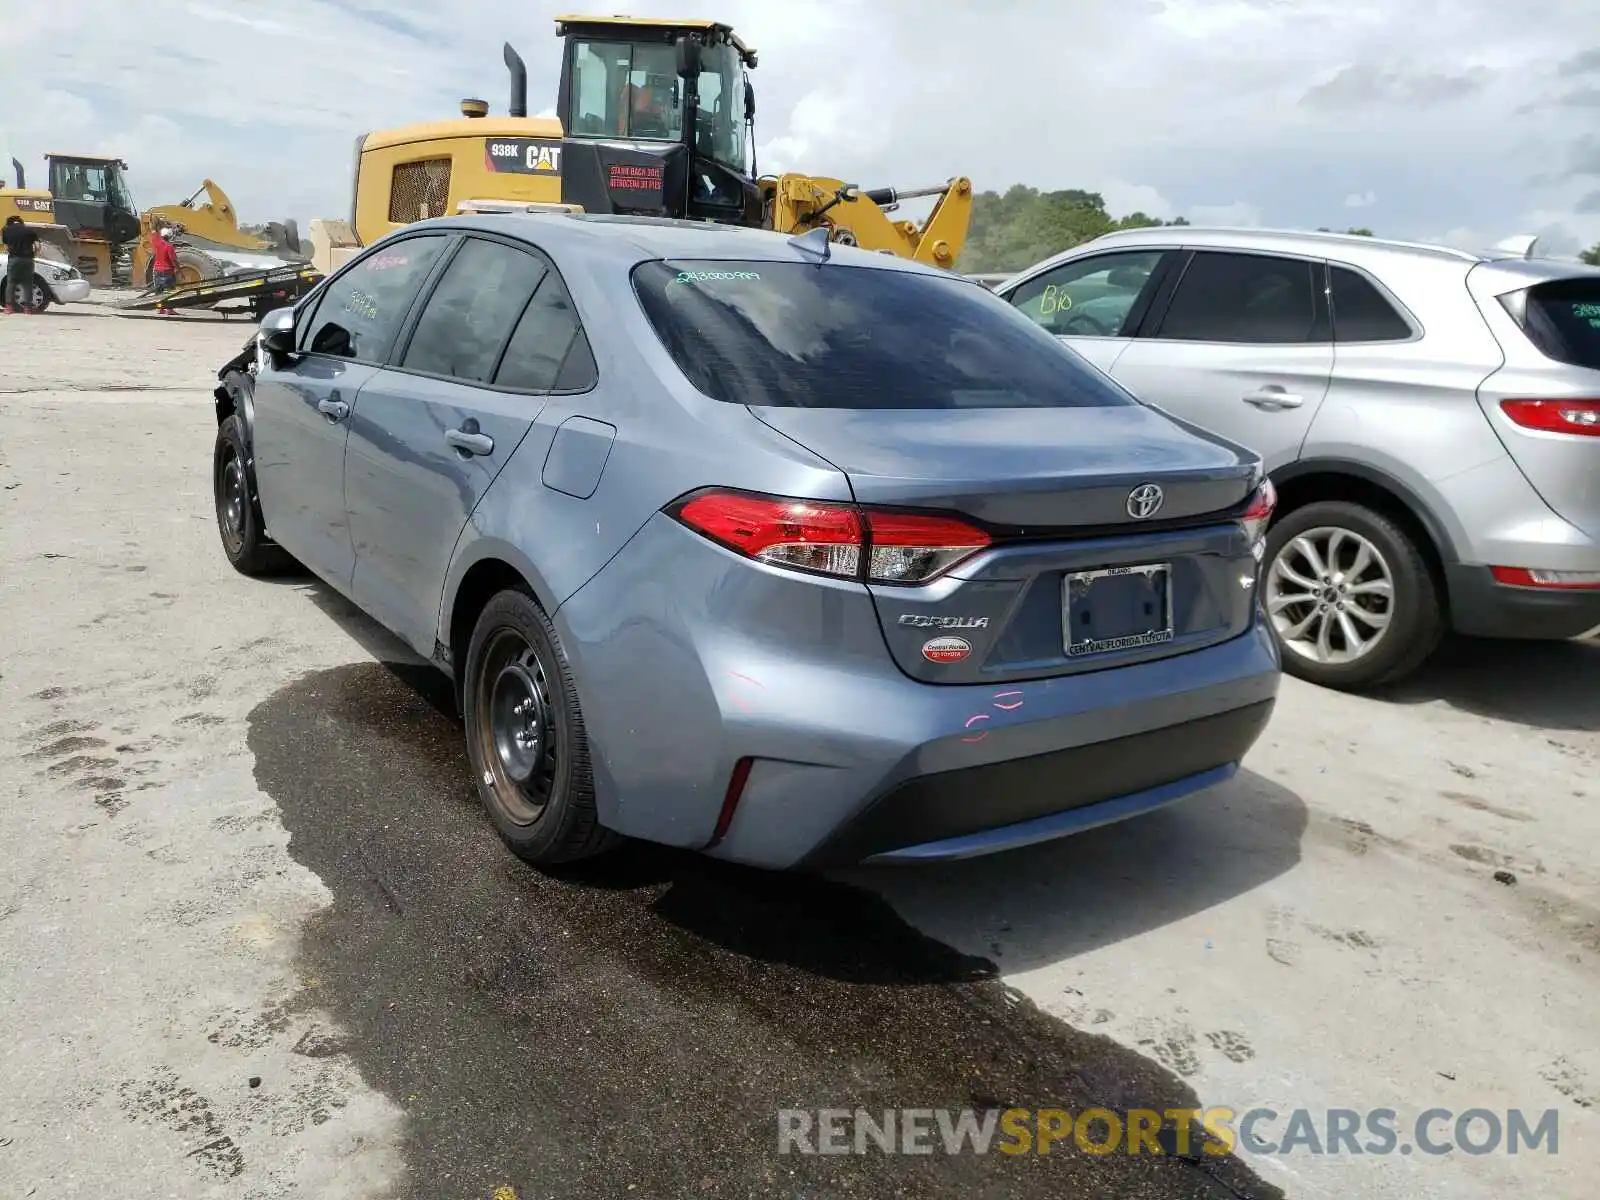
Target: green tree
{"type": "Point", "coordinates": [1592, 255]}
{"type": "Point", "coordinates": [1359, 231]}
{"type": "Point", "coordinates": [1017, 228]}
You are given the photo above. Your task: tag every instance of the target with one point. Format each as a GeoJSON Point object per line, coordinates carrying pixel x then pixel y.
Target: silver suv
{"type": "Point", "coordinates": [1431, 419]}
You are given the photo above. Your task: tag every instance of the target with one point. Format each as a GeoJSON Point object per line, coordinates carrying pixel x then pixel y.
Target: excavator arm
{"type": "Point", "coordinates": [857, 217]}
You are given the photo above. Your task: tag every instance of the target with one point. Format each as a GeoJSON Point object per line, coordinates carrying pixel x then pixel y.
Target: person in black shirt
{"type": "Point", "coordinates": [20, 242]}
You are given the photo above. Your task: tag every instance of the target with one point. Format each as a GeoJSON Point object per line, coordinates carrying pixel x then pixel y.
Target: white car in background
{"type": "Point", "coordinates": [54, 282]}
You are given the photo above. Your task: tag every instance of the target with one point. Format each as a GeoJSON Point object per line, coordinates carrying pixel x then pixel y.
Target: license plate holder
{"type": "Point", "coordinates": [1117, 608]}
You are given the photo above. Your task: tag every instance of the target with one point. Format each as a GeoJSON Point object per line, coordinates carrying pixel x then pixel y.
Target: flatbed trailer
{"type": "Point", "coordinates": [260, 292]}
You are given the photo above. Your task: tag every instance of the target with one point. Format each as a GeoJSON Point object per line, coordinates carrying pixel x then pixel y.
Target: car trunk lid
{"type": "Point", "coordinates": [1116, 538]}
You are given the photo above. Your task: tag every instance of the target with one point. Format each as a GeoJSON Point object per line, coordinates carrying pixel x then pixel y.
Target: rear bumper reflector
{"type": "Point", "coordinates": [730, 801]}
{"type": "Point", "coordinates": [1534, 577]}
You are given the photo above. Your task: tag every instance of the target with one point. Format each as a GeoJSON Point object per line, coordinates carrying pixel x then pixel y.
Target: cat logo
{"type": "Point", "coordinates": [523, 156]}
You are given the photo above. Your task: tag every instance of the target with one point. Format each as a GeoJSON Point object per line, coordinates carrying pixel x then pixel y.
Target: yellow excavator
{"type": "Point", "coordinates": [654, 118]}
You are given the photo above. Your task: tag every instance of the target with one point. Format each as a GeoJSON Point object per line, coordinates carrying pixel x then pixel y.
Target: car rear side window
{"type": "Point", "coordinates": [546, 337]}
{"type": "Point", "coordinates": [1361, 313]}
{"type": "Point", "coordinates": [361, 309]}
{"type": "Point", "coordinates": [474, 307]}
{"type": "Point", "coordinates": [1245, 298]}
{"type": "Point", "coordinates": [830, 335]}
{"type": "Point", "coordinates": [1563, 320]}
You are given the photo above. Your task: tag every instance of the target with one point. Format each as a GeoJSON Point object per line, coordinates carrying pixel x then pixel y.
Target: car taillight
{"type": "Point", "coordinates": [1259, 515]}
{"type": "Point", "coordinates": [1555, 416]}
{"type": "Point", "coordinates": [1535, 577]}
{"type": "Point", "coordinates": [845, 541]}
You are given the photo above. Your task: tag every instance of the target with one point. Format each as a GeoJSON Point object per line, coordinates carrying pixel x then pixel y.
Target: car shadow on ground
{"type": "Point", "coordinates": [642, 1017]}
{"type": "Point", "coordinates": [1546, 685]}
{"type": "Point", "coordinates": [1034, 907]}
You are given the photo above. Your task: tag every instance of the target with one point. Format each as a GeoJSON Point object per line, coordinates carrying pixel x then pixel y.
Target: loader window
{"type": "Point", "coordinates": [793, 335]}
{"type": "Point", "coordinates": [626, 90]}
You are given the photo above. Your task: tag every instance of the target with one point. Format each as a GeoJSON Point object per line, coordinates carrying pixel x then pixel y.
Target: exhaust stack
{"type": "Point", "coordinates": [519, 82]}
{"type": "Point", "coordinates": [22, 180]}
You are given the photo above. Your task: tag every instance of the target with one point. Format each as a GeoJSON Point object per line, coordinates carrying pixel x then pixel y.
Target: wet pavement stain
{"type": "Point", "coordinates": [632, 1025]}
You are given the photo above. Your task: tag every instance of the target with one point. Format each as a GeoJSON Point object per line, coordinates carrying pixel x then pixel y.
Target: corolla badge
{"type": "Point", "coordinates": [1145, 501]}
{"type": "Point", "coordinates": [924, 621]}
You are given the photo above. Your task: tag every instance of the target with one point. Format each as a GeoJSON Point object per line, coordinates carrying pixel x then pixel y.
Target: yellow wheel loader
{"type": "Point", "coordinates": [104, 235]}
{"type": "Point", "coordinates": [654, 118]}
{"type": "Point", "coordinates": [35, 206]}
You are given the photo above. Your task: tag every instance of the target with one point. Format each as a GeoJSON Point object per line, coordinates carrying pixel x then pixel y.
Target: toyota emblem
{"type": "Point", "coordinates": [1144, 501]}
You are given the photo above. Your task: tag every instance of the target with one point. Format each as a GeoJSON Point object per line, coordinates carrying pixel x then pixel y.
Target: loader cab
{"type": "Point", "coordinates": [657, 119]}
{"type": "Point", "coordinates": [92, 197]}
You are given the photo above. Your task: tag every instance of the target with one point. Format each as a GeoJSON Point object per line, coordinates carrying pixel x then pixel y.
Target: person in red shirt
{"type": "Point", "coordinates": [164, 266]}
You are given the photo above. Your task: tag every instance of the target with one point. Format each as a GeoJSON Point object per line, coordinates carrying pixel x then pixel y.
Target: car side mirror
{"type": "Point", "coordinates": [279, 342]}
{"type": "Point", "coordinates": [749, 101]}
{"type": "Point", "coordinates": [277, 333]}
{"type": "Point", "coordinates": [688, 57]}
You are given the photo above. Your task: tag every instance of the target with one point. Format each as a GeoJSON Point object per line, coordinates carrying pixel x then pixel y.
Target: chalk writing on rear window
{"type": "Point", "coordinates": [706, 276]}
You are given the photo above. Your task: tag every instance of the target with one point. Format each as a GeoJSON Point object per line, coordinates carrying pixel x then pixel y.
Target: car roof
{"type": "Point", "coordinates": [1358, 249]}
{"type": "Point", "coordinates": [625, 241]}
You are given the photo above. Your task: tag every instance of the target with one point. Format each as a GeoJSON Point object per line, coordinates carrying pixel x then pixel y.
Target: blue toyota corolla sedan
{"type": "Point", "coordinates": [791, 553]}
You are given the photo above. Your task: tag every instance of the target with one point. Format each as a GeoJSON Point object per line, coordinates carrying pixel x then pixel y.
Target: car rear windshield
{"type": "Point", "coordinates": [1563, 320]}
{"type": "Point", "coordinates": [798, 335]}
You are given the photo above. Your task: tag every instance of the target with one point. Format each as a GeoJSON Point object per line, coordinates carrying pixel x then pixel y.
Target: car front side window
{"type": "Point", "coordinates": [361, 310]}
{"type": "Point", "coordinates": [1089, 297]}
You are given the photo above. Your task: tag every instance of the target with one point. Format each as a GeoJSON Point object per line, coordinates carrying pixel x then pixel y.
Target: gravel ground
{"type": "Point", "coordinates": [257, 941]}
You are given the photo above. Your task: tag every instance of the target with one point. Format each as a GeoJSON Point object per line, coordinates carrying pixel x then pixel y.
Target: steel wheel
{"type": "Point", "coordinates": [1330, 595]}
{"type": "Point", "coordinates": [233, 499]}
{"type": "Point", "coordinates": [519, 736]}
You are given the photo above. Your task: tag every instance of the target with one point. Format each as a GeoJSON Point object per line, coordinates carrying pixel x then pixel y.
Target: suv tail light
{"type": "Point", "coordinates": [845, 541]}
{"type": "Point", "coordinates": [1259, 515]}
{"type": "Point", "coordinates": [1555, 416]}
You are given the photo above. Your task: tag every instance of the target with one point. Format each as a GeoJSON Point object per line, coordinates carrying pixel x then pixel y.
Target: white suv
{"type": "Point", "coordinates": [1431, 419]}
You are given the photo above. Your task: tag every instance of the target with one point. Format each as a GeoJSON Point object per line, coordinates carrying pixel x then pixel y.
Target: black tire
{"type": "Point", "coordinates": [539, 792]}
{"type": "Point", "coordinates": [43, 297]}
{"type": "Point", "coordinates": [239, 523]}
{"type": "Point", "coordinates": [1416, 614]}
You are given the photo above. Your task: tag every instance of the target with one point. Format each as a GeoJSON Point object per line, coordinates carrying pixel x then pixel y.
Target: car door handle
{"type": "Point", "coordinates": [470, 441]}
{"type": "Point", "coordinates": [1273, 396]}
{"type": "Point", "coordinates": [334, 410]}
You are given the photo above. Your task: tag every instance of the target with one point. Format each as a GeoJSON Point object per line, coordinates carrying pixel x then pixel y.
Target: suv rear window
{"type": "Point", "coordinates": [1563, 320]}
{"type": "Point", "coordinates": [797, 335]}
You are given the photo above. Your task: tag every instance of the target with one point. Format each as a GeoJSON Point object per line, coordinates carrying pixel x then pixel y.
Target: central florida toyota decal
{"type": "Point", "coordinates": [946, 649]}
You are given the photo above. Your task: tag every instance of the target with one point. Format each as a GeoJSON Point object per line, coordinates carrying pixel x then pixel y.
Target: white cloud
{"type": "Point", "coordinates": [1123, 198]}
{"type": "Point", "coordinates": [1457, 112]}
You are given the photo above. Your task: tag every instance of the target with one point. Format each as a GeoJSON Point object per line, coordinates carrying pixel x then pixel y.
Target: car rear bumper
{"type": "Point", "coordinates": [998, 806]}
{"type": "Point", "coordinates": [70, 291]}
{"type": "Point", "coordinates": [1481, 607]}
{"type": "Point", "coordinates": [690, 661]}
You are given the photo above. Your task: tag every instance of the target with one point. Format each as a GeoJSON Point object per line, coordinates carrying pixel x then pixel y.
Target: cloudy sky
{"type": "Point", "coordinates": [1466, 120]}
